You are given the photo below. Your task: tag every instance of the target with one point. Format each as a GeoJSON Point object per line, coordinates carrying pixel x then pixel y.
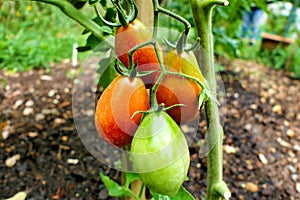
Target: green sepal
{"type": "Point", "coordinates": [106, 71]}
{"type": "Point", "coordinates": [92, 2]}
{"type": "Point", "coordinates": [182, 194]}
{"type": "Point", "coordinates": [130, 177]}
{"type": "Point", "coordinates": [117, 190]}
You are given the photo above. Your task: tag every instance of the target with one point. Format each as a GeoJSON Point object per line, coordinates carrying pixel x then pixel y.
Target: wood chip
{"type": "Point", "coordinates": [73, 161]}
{"type": "Point", "coordinates": [5, 128]}
{"type": "Point", "coordinates": [51, 93]}
{"type": "Point", "coordinates": [252, 187]}
{"type": "Point", "coordinates": [64, 138]}
{"type": "Point", "coordinates": [263, 158]}
{"type": "Point", "coordinates": [46, 78]}
{"type": "Point", "coordinates": [230, 149]}
{"type": "Point", "coordinates": [28, 111]}
{"type": "Point", "coordinates": [296, 147]}
{"type": "Point", "coordinates": [58, 121]}
{"type": "Point", "coordinates": [277, 109]}
{"type": "Point", "coordinates": [33, 134]}
{"type": "Point", "coordinates": [10, 162]}
{"type": "Point", "coordinates": [290, 133]}
{"type": "Point", "coordinates": [29, 103]}
{"type": "Point", "coordinates": [17, 104]}
{"type": "Point", "coordinates": [64, 147]}
{"type": "Point", "coordinates": [298, 187]}
{"type": "Point", "coordinates": [39, 117]}
{"type": "Point", "coordinates": [18, 196]}
{"type": "Point", "coordinates": [283, 143]}
{"type": "Point", "coordinates": [50, 111]}
{"type": "Point", "coordinates": [65, 104]}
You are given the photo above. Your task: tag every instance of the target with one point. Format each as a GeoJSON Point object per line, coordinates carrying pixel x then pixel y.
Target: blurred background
{"type": "Point", "coordinates": [34, 34]}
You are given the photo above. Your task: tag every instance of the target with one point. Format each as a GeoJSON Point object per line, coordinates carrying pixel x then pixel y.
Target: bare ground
{"type": "Point", "coordinates": [42, 154]}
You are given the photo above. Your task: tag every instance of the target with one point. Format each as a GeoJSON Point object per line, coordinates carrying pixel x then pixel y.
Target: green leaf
{"type": "Point", "coordinates": [106, 29]}
{"type": "Point", "coordinates": [106, 71]}
{"type": "Point", "coordinates": [103, 3]}
{"type": "Point", "coordinates": [78, 4]}
{"type": "Point", "coordinates": [110, 14]}
{"type": "Point", "coordinates": [130, 177]}
{"type": "Point", "coordinates": [92, 2]}
{"type": "Point", "coordinates": [84, 48]}
{"type": "Point", "coordinates": [92, 41]}
{"type": "Point", "coordinates": [182, 194]}
{"type": "Point", "coordinates": [159, 196]}
{"type": "Point", "coordinates": [114, 189]}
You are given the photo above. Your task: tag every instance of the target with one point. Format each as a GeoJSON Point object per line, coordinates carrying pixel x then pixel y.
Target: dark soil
{"type": "Point", "coordinates": [261, 121]}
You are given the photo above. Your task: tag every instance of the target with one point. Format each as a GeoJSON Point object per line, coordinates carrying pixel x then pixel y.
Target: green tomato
{"type": "Point", "coordinates": [160, 153]}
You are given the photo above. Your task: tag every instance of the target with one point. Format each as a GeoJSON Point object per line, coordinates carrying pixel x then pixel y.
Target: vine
{"type": "Point", "coordinates": [202, 11]}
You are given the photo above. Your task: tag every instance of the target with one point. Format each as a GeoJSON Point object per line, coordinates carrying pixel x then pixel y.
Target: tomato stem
{"type": "Point", "coordinates": [121, 14]}
{"type": "Point", "coordinates": [67, 8]}
{"type": "Point", "coordinates": [183, 39]}
{"type": "Point", "coordinates": [124, 19]}
{"type": "Point", "coordinates": [139, 46]}
{"type": "Point", "coordinates": [107, 23]}
{"type": "Point", "coordinates": [202, 12]}
{"type": "Point", "coordinates": [141, 190]}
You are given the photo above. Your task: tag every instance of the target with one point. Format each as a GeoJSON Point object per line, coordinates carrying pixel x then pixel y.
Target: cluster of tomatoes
{"type": "Point", "coordinates": [125, 117]}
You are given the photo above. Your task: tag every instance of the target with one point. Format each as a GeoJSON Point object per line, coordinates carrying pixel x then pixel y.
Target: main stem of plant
{"type": "Point", "coordinates": [202, 11]}
{"type": "Point", "coordinates": [68, 9]}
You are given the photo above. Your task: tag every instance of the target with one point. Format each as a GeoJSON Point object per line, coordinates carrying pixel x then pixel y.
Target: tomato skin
{"type": "Point", "coordinates": [128, 37]}
{"type": "Point", "coordinates": [175, 89]}
{"type": "Point", "coordinates": [160, 153]}
{"type": "Point", "coordinates": [116, 105]}
{"type": "Point", "coordinates": [185, 62]}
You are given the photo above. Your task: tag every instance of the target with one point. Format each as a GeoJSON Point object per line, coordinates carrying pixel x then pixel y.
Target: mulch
{"type": "Point", "coordinates": [42, 154]}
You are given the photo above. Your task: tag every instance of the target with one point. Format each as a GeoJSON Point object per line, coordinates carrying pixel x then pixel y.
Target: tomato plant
{"type": "Point", "coordinates": [120, 109]}
{"type": "Point", "coordinates": [119, 101]}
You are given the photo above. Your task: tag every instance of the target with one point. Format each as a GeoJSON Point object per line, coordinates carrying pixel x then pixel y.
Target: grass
{"type": "Point", "coordinates": [33, 34]}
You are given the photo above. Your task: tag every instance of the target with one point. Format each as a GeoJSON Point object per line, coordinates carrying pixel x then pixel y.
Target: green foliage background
{"type": "Point", "coordinates": [34, 34]}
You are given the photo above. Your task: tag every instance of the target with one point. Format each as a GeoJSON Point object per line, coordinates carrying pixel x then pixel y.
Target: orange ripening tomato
{"type": "Point", "coordinates": [175, 89]}
{"type": "Point", "coordinates": [185, 62]}
{"type": "Point", "coordinates": [178, 90]}
{"type": "Point", "coordinates": [119, 101]}
{"type": "Point", "coordinates": [128, 37]}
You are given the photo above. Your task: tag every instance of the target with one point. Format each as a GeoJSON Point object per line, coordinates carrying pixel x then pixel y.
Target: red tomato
{"type": "Point", "coordinates": [128, 37]}
{"type": "Point", "coordinates": [113, 117]}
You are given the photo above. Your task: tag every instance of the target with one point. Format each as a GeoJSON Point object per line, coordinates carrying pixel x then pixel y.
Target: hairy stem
{"type": "Point", "coordinates": [202, 11]}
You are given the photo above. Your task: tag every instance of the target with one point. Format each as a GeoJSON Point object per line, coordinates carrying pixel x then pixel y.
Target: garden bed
{"type": "Point", "coordinates": [261, 142]}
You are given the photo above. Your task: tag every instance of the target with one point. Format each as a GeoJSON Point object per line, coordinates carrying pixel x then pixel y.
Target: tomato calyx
{"type": "Point", "coordinates": [204, 94]}
{"type": "Point", "coordinates": [156, 108]}
{"type": "Point", "coordinates": [182, 45]}
{"type": "Point", "coordinates": [124, 19]}
{"type": "Point", "coordinates": [132, 71]}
